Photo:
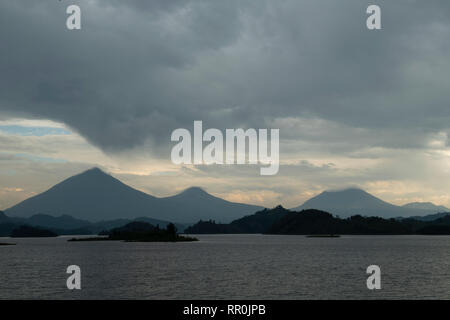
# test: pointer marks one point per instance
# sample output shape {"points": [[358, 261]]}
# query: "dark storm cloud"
{"points": [[139, 69]]}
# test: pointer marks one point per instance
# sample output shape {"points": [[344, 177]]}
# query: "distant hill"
{"points": [[353, 201], [94, 196], [260, 221], [61, 222], [430, 217], [426, 206], [317, 222], [31, 232], [66, 222], [255, 223], [67, 225]]}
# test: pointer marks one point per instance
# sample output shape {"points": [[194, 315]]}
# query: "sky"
{"points": [[355, 107]]}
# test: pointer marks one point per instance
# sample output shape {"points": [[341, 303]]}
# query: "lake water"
{"points": [[229, 267]]}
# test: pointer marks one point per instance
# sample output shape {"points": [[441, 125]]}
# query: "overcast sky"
{"points": [[354, 107]]}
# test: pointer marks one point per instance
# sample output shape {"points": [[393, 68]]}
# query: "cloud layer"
{"points": [[139, 69], [354, 106]]}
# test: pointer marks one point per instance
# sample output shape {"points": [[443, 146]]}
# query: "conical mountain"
{"points": [[355, 201], [426, 206], [197, 202]]}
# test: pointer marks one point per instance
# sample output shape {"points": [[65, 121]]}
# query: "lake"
{"points": [[229, 267]]}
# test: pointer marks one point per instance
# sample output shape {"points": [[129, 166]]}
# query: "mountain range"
{"points": [[95, 195], [66, 225]]}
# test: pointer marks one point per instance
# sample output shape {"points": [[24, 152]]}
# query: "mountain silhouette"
{"points": [[95, 195], [47, 221], [317, 222], [426, 206], [258, 222], [354, 201], [67, 225], [194, 201]]}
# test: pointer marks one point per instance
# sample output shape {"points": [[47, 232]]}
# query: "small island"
{"points": [[138, 231], [7, 244]]}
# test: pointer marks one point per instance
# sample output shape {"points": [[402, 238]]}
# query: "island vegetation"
{"points": [[138, 231]]}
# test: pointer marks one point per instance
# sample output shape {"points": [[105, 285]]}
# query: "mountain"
{"points": [[426, 206], [94, 195], [355, 201], [91, 195], [198, 204]]}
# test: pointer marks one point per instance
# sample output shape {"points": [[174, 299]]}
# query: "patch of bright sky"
{"points": [[38, 128], [40, 159], [33, 131]]}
